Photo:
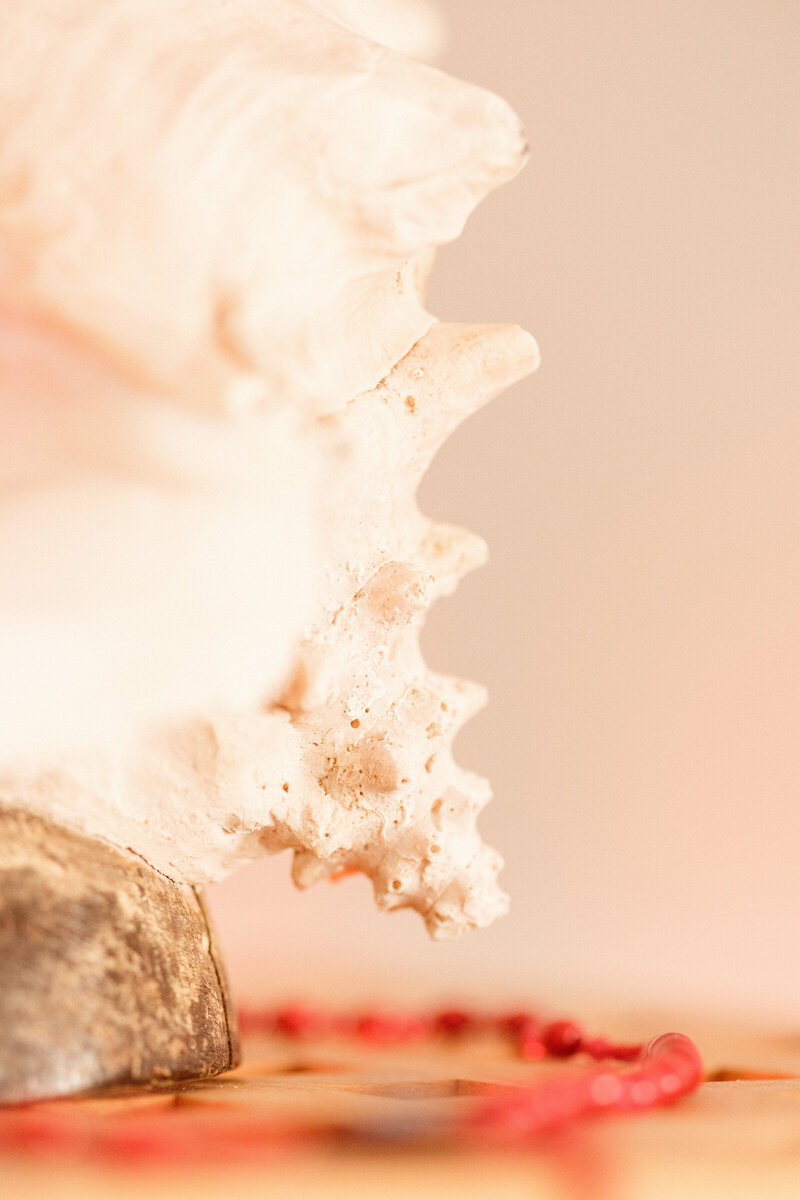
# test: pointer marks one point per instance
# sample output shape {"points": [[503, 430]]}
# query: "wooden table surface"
{"points": [[738, 1138]]}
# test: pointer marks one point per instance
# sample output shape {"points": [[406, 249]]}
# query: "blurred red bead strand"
{"points": [[660, 1073]]}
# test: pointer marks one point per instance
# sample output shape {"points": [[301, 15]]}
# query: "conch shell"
{"points": [[219, 389]]}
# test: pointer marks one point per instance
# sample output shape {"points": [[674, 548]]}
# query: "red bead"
{"points": [[296, 1021], [515, 1024], [626, 1051], [531, 1046], [453, 1021], [375, 1027], [559, 1101], [597, 1048], [605, 1090], [643, 1092], [417, 1027], [562, 1038], [391, 1027]]}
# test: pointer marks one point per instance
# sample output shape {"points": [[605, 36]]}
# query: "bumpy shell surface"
{"points": [[216, 272], [213, 216]]}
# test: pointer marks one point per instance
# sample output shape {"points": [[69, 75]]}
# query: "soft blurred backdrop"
{"points": [[639, 623]]}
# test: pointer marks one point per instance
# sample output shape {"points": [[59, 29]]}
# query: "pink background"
{"points": [[639, 624]]}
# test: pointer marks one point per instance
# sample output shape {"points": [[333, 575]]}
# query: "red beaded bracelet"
{"points": [[660, 1073], [531, 1037]]}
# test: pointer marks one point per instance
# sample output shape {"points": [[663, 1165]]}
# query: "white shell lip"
{"points": [[411, 27], [280, 195]]}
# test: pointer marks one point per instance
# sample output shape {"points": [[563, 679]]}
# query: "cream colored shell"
{"points": [[216, 220]]}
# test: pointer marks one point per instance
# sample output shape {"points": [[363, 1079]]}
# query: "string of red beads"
{"points": [[668, 1068], [529, 1034], [660, 1073]]}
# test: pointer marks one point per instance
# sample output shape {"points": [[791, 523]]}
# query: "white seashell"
{"points": [[219, 390], [207, 187], [411, 27]]}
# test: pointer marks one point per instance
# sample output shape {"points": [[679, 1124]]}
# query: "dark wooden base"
{"points": [[109, 975]]}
